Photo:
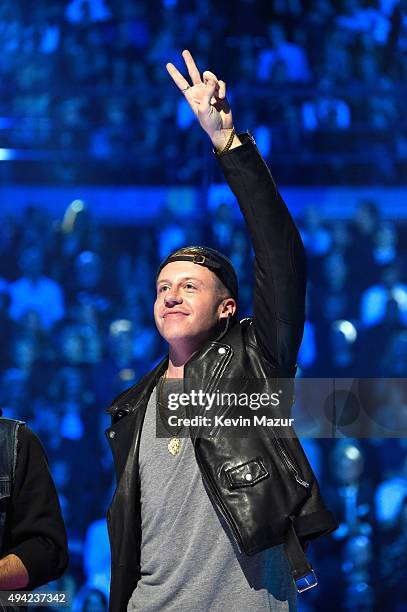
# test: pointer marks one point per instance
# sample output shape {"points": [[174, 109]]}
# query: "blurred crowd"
{"points": [[77, 328], [320, 83]]}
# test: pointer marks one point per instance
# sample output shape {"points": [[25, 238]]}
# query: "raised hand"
{"points": [[207, 99]]}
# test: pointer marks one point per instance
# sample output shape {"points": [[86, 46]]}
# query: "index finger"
{"points": [[177, 77], [192, 69]]}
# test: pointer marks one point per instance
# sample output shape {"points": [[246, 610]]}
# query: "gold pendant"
{"points": [[174, 446]]}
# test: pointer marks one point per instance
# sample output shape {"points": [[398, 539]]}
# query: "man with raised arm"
{"points": [[202, 521]]}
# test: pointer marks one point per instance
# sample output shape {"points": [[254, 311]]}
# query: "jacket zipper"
{"points": [[223, 509], [289, 464], [225, 512]]}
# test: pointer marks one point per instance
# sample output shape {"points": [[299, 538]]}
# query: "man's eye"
{"points": [[190, 286], [162, 288]]}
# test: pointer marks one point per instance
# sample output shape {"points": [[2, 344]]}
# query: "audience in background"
{"points": [[333, 70]]}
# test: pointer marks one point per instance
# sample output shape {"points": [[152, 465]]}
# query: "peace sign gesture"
{"points": [[207, 99]]}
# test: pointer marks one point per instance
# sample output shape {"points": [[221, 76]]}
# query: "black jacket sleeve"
{"points": [[36, 529], [279, 265]]}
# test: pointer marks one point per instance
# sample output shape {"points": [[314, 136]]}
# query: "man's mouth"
{"points": [[174, 314]]}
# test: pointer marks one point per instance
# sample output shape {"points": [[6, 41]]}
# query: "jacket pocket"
{"points": [[290, 463], [247, 474]]}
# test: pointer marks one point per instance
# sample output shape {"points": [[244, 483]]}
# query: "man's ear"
{"points": [[228, 308]]}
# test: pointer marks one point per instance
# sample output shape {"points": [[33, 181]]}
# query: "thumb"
{"points": [[210, 88]]}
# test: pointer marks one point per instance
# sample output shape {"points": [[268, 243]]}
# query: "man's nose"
{"points": [[172, 297]]}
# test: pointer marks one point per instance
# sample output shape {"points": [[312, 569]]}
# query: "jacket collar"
{"points": [[124, 404], [130, 399]]}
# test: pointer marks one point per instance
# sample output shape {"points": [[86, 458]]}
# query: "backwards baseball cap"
{"points": [[212, 259]]}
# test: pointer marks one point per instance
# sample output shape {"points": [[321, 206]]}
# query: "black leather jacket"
{"points": [[282, 493]]}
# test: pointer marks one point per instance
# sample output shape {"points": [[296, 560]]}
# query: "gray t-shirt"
{"points": [[189, 561]]}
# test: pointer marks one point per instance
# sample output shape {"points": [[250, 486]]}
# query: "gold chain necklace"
{"points": [[174, 445]]}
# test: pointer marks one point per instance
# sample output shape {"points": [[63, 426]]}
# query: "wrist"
{"points": [[220, 139]]}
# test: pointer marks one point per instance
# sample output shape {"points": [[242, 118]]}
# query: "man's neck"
{"points": [[175, 371], [33, 278], [181, 352], [178, 356]]}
